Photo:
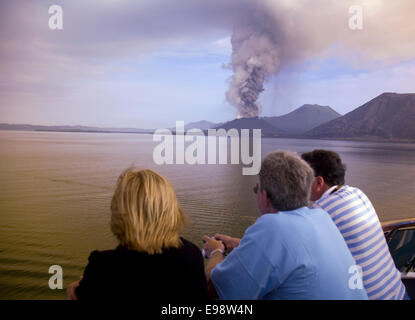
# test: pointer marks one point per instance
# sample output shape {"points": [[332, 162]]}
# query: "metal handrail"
{"points": [[410, 265], [390, 227]]}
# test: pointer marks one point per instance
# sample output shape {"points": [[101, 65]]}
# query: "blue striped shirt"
{"points": [[355, 217]]}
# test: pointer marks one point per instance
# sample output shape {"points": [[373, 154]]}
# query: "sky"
{"points": [[149, 63]]}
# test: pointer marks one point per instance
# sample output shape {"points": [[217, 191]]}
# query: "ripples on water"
{"points": [[56, 189]]}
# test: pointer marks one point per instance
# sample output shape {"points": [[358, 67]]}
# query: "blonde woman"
{"points": [[152, 261]]}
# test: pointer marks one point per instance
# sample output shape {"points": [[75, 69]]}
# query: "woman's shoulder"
{"points": [[188, 245], [188, 249], [98, 256]]}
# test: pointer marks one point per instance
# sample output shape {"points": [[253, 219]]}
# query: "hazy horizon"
{"points": [[170, 126]]}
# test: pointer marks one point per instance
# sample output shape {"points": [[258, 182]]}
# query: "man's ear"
{"points": [[319, 180], [266, 197]]}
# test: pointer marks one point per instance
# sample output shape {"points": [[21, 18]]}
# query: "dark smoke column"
{"points": [[255, 57]]}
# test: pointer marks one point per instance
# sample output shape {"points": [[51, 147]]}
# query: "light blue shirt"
{"points": [[297, 254]]}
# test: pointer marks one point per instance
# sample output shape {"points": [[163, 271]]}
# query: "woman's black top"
{"points": [[175, 274]]}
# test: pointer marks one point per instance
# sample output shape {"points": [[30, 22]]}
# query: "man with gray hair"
{"points": [[291, 251]]}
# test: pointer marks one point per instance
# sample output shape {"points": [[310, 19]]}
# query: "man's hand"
{"points": [[70, 291], [229, 242], [212, 244]]}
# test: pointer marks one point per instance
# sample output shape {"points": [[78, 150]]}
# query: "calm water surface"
{"points": [[56, 188]]}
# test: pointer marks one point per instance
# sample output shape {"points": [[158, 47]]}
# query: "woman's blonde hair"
{"points": [[146, 215]]}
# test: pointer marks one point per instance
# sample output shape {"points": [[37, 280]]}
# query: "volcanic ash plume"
{"points": [[255, 58]]}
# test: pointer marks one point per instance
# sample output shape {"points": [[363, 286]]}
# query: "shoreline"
{"points": [[151, 131]]}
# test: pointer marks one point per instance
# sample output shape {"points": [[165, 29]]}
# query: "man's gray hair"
{"points": [[287, 180]]}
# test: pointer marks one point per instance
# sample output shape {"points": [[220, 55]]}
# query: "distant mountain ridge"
{"points": [[303, 119], [293, 124], [253, 123], [389, 116]]}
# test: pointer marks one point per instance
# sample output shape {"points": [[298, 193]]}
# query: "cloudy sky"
{"points": [[148, 63]]}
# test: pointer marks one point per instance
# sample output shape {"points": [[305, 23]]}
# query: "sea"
{"points": [[56, 189]]}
